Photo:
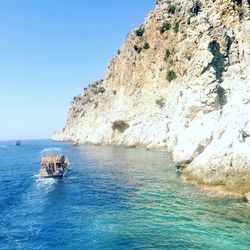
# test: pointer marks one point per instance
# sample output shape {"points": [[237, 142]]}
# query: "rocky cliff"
{"points": [[181, 81]]}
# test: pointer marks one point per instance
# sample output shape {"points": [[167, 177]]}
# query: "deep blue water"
{"points": [[113, 198]]}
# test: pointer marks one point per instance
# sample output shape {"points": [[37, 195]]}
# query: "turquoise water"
{"points": [[113, 198]]}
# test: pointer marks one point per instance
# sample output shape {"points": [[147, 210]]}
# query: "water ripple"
{"points": [[113, 198]]}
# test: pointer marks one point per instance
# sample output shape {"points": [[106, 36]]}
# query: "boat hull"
{"points": [[56, 176]]}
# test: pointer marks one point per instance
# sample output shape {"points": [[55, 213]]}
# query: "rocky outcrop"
{"points": [[181, 82]]}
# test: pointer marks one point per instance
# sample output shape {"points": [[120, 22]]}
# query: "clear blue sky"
{"points": [[50, 50]]}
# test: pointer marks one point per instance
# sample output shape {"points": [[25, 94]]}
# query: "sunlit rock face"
{"points": [[181, 81]]}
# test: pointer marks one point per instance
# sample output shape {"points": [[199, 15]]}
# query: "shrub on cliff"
{"points": [[140, 31], [171, 62], [196, 8], [146, 45], [101, 90], [240, 11], [120, 126], [171, 9], [164, 27], [171, 75], [160, 102], [176, 27], [137, 49], [167, 54], [238, 2], [222, 13], [96, 91]]}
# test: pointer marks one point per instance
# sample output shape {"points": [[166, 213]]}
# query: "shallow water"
{"points": [[112, 198]]}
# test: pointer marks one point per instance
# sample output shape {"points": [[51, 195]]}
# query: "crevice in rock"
{"points": [[221, 96], [218, 61], [229, 45], [243, 135]]}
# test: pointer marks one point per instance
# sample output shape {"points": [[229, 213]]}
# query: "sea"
{"points": [[112, 198]]}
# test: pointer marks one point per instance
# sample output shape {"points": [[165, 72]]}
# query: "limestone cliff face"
{"points": [[181, 81]]}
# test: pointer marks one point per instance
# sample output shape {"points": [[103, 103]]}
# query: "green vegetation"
{"points": [[223, 12], [140, 31], [146, 45], [120, 126], [160, 102], [118, 52], [240, 11], [167, 54], [114, 92], [171, 62], [137, 49], [101, 90], [171, 9], [176, 27], [164, 27], [96, 91], [171, 75]]}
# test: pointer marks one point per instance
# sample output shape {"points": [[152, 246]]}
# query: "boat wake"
{"points": [[46, 184]]}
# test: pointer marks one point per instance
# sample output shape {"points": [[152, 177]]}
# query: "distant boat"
{"points": [[54, 165], [16, 143]]}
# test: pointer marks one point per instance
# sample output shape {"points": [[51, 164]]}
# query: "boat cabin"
{"points": [[53, 165]]}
